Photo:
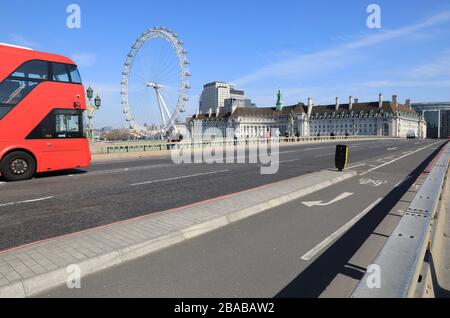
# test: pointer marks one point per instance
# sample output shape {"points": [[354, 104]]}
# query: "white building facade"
{"points": [[381, 118]]}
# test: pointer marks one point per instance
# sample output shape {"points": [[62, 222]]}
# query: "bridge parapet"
{"points": [[145, 146], [404, 261]]}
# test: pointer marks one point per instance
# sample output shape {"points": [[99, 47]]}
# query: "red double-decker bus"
{"points": [[42, 104]]}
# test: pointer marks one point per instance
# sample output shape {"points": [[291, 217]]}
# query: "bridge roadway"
{"points": [[317, 246], [56, 204]]}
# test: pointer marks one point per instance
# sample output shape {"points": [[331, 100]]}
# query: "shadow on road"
{"points": [[317, 276], [59, 173]]}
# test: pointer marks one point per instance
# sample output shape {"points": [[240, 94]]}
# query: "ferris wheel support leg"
{"points": [[165, 108], [160, 104]]}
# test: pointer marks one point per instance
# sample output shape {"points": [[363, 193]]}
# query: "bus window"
{"points": [[60, 123], [4, 110], [37, 70], [74, 74], [12, 91], [68, 125], [60, 73]]}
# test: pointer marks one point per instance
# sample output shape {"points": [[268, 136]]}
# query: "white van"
{"points": [[411, 134]]}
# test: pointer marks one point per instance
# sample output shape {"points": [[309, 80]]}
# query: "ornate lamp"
{"points": [[90, 93], [97, 101]]}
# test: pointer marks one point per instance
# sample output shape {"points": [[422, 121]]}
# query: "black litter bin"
{"points": [[341, 158]]}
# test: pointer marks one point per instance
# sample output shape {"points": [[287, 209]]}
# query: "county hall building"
{"points": [[379, 118]]}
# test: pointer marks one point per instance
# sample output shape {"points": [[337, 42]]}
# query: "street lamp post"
{"points": [[91, 108]]}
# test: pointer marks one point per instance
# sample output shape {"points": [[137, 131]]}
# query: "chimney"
{"points": [[197, 113], [310, 106], [210, 113], [408, 103], [380, 101], [337, 104], [395, 100], [350, 103]]}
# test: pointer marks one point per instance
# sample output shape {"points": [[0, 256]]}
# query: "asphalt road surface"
{"points": [[61, 203], [294, 250]]}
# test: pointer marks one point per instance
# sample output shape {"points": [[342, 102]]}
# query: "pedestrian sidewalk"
{"points": [[31, 269]]}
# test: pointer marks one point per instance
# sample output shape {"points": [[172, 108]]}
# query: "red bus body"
{"points": [[50, 153]]}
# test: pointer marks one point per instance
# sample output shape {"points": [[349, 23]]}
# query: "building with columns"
{"points": [[380, 118]]}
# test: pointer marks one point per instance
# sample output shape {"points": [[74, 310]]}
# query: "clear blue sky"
{"points": [[318, 49]]}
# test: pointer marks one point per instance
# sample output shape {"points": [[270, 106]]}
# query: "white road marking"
{"points": [[26, 201], [292, 160], [106, 162], [284, 161], [386, 158], [390, 149], [402, 182], [360, 165], [308, 256], [344, 195], [120, 170], [375, 183], [317, 148], [181, 177], [397, 159], [300, 150], [325, 155]]}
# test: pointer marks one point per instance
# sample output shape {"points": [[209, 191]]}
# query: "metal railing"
{"points": [[401, 259], [146, 146]]}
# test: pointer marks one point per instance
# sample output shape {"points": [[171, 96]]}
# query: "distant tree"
{"points": [[116, 135]]}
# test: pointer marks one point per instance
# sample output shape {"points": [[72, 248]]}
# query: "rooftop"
{"points": [[387, 106]]}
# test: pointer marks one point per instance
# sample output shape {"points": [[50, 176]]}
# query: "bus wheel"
{"points": [[18, 166]]}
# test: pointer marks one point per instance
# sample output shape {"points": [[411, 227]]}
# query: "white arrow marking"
{"points": [[344, 195]]}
